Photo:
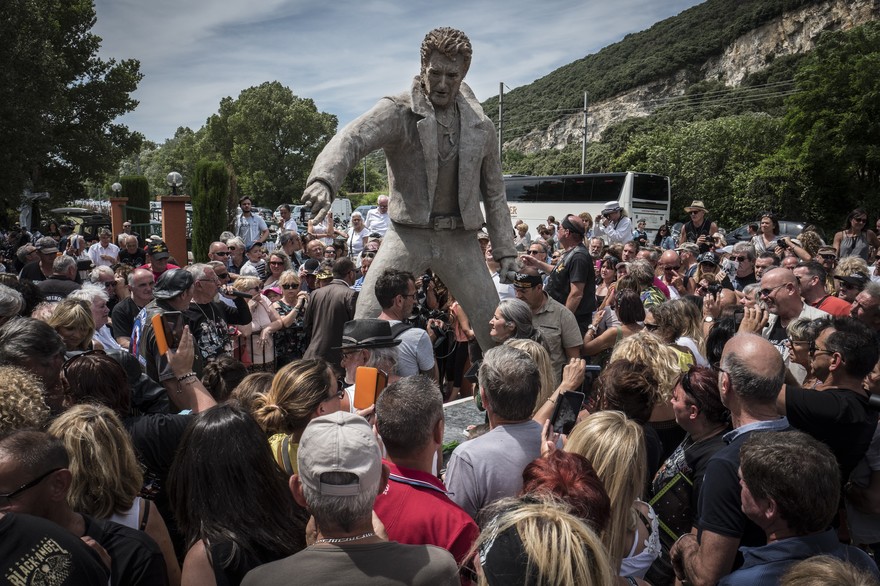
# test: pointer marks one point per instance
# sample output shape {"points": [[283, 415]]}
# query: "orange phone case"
{"points": [[368, 383], [159, 332]]}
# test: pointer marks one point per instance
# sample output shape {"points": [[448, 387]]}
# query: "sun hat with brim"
{"points": [[696, 206], [611, 206], [362, 334], [827, 250], [172, 283], [339, 442], [276, 289]]}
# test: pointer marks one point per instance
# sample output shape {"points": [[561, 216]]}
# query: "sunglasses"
{"points": [[223, 276], [290, 286], [276, 263], [535, 252], [695, 212], [828, 257], [739, 258], [224, 253], [845, 285], [369, 254], [766, 292], [6, 499]]}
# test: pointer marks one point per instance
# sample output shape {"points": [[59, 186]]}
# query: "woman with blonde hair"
{"points": [[300, 391], [265, 321], [73, 321], [539, 541], [826, 570], [106, 477], [645, 348], [545, 368], [615, 445]]}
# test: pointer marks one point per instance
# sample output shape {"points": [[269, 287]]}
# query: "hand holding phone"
{"points": [[568, 405], [168, 329]]}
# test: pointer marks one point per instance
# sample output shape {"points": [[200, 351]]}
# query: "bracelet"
{"points": [[551, 400], [190, 374]]}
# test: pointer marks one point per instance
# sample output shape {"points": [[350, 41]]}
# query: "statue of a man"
{"points": [[442, 157]]}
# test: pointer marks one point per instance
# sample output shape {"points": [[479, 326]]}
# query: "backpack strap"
{"points": [[398, 329]]}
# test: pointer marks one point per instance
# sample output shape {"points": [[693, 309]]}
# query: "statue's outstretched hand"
{"points": [[318, 197], [509, 266]]}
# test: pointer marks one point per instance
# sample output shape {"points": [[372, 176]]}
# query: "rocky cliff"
{"points": [[794, 32]]}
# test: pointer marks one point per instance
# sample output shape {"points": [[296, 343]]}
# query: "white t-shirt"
{"points": [[415, 353]]}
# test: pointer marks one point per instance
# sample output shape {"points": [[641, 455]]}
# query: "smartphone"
{"points": [[738, 315], [568, 405], [168, 329], [369, 383], [591, 373]]}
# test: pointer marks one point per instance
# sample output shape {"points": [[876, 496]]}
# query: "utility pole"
{"points": [[500, 117], [584, 145], [365, 174]]}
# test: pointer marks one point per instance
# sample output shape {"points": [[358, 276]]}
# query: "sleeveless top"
{"points": [[693, 233], [637, 564], [854, 246]]}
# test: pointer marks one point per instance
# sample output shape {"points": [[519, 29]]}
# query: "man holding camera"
{"points": [[396, 293]]}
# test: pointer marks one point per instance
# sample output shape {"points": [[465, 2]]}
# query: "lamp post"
{"points": [[117, 188], [174, 180]]}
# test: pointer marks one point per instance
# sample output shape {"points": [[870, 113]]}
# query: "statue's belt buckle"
{"points": [[447, 222]]}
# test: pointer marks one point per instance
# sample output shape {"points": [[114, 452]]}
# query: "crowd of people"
{"points": [[726, 432]]}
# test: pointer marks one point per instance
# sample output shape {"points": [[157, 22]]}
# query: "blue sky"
{"points": [[343, 54]]}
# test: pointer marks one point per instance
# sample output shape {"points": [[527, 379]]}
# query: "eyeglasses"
{"points": [[668, 268], [290, 286], [223, 276], [766, 292], [369, 254], [6, 499], [695, 212], [816, 350], [339, 394], [276, 263], [222, 253], [535, 252], [739, 258]]}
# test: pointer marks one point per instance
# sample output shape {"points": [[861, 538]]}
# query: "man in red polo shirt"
{"points": [[811, 276], [414, 507]]}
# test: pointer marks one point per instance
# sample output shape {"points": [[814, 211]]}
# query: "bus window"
{"points": [[651, 187], [578, 188], [550, 190], [607, 187], [520, 190]]}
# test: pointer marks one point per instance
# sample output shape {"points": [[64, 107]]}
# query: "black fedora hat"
{"points": [[362, 334]]}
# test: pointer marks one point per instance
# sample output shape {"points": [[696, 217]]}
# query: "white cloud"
{"points": [[343, 54]]}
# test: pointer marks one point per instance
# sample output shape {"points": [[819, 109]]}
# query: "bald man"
{"points": [[751, 375]]}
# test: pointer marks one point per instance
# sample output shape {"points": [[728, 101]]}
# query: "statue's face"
{"points": [[442, 77]]}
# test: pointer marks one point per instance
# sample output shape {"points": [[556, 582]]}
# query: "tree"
{"points": [[833, 121], [58, 100], [269, 138], [210, 184]]}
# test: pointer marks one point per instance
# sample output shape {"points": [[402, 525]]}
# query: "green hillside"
{"points": [[684, 42]]}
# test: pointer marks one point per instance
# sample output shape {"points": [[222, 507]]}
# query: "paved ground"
{"points": [[460, 414]]}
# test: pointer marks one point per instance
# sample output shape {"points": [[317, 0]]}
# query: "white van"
{"points": [[341, 209]]}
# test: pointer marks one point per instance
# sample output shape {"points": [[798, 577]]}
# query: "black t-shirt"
{"points": [[56, 288], [135, 259], [123, 317], [37, 551], [839, 418], [137, 560], [719, 504], [692, 233], [33, 272], [209, 323], [575, 266], [740, 283]]}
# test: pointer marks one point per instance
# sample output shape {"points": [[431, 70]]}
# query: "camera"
{"points": [[782, 243], [715, 288]]}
